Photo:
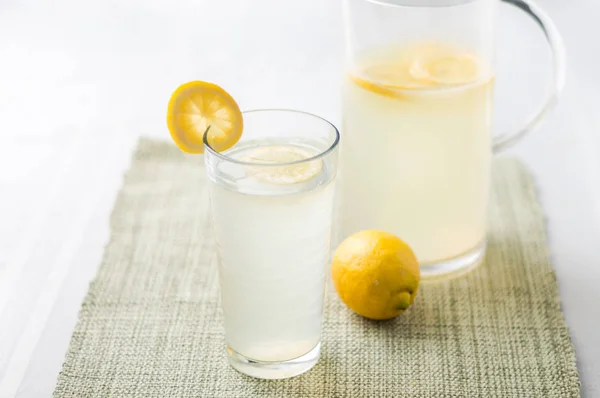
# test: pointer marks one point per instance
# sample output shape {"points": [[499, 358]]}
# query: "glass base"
{"points": [[455, 266], [274, 370]]}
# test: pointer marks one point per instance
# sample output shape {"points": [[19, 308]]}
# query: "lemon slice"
{"points": [[447, 69], [398, 76], [285, 174], [387, 79], [197, 106], [419, 67], [374, 87]]}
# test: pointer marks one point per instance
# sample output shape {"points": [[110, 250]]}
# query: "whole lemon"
{"points": [[376, 274]]}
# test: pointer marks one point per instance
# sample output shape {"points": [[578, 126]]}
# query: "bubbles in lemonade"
{"points": [[416, 148], [273, 229]]}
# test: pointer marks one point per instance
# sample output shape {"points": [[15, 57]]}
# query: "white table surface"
{"points": [[81, 80]]}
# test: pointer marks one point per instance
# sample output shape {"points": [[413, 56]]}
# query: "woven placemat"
{"points": [[150, 325]]}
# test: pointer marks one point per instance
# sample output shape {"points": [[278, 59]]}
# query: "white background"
{"points": [[81, 80]]}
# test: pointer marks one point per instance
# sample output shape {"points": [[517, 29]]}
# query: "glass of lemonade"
{"points": [[417, 117], [272, 200]]}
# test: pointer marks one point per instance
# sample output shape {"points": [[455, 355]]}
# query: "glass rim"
{"points": [[320, 155], [419, 3]]}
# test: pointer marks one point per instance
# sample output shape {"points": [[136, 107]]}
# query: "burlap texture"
{"points": [[150, 326]]}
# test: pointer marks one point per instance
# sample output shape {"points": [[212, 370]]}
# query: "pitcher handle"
{"points": [[555, 41]]}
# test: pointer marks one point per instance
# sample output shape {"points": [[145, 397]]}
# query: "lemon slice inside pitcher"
{"points": [[418, 67], [447, 69], [282, 164]]}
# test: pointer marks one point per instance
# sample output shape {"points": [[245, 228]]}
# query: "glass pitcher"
{"points": [[417, 103]]}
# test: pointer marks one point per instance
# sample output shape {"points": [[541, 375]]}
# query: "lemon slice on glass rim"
{"points": [[198, 107]]}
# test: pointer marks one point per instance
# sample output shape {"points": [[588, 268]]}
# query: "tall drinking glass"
{"points": [[417, 115], [272, 200]]}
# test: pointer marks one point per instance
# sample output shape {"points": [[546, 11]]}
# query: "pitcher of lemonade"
{"points": [[417, 103]]}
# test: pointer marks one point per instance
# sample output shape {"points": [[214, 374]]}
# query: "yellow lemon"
{"points": [[375, 274], [198, 106]]}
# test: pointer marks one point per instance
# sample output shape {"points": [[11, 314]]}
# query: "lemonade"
{"points": [[416, 148], [271, 179], [273, 249]]}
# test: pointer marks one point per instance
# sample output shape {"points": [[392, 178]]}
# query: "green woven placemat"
{"points": [[150, 325]]}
